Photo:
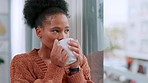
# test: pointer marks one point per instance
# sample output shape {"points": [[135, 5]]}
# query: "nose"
{"points": [[62, 36]]}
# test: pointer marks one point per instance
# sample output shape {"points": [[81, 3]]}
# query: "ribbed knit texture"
{"points": [[54, 73], [28, 67], [78, 77]]}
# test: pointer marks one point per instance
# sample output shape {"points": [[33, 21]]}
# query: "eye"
{"points": [[55, 31], [67, 30]]}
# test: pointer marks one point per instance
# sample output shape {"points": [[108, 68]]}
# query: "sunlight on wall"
{"points": [[17, 27]]}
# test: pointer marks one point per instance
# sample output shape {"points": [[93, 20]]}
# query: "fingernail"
{"points": [[56, 40], [71, 39], [74, 53], [68, 42], [69, 46]]}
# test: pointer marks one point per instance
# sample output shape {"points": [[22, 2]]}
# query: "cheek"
{"points": [[67, 35], [50, 39], [50, 36]]}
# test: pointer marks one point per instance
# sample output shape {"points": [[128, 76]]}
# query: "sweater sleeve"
{"points": [[83, 76], [19, 72], [54, 73]]}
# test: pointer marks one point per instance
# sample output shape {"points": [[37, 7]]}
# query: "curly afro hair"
{"points": [[35, 11]]}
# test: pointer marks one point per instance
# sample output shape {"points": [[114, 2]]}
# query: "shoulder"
{"points": [[29, 56], [19, 58], [25, 57], [21, 61]]}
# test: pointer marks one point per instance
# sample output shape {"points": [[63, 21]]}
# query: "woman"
{"points": [[48, 63]]}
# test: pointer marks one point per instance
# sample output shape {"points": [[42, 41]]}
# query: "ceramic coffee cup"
{"points": [[64, 44]]}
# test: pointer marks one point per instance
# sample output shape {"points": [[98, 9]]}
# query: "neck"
{"points": [[44, 53]]}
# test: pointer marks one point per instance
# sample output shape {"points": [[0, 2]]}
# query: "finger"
{"points": [[65, 56], [55, 42], [56, 52], [74, 43], [76, 54], [60, 55], [74, 49], [55, 45], [79, 56], [64, 52], [59, 49]]}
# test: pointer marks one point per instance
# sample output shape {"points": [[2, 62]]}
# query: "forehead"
{"points": [[56, 18]]}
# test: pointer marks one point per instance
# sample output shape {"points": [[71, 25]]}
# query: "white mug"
{"points": [[64, 44]]}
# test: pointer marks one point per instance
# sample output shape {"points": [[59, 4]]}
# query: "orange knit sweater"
{"points": [[27, 67]]}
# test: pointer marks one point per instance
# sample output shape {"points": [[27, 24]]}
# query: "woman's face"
{"points": [[55, 27]]}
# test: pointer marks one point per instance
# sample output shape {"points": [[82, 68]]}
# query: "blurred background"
{"points": [[86, 21], [126, 39], [114, 29]]}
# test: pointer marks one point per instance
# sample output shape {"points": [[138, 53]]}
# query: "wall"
{"points": [[4, 40]]}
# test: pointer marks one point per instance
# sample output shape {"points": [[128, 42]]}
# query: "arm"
{"points": [[86, 71], [41, 81], [19, 71], [83, 76], [58, 58], [54, 73]]}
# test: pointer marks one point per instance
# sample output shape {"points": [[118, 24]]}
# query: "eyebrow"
{"points": [[55, 28], [59, 27], [67, 27]]}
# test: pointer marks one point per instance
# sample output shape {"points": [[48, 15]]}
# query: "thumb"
{"points": [[55, 42]]}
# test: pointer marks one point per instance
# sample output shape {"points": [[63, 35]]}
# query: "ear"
{"points": [[39, 32]]}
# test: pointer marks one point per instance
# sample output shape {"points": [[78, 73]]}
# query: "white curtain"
{"points": [[93, 32], [17, 27]]}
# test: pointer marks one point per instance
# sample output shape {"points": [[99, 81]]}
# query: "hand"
{"points": [[58, 55], [77, 51], [38, 81], [41, 81]]}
